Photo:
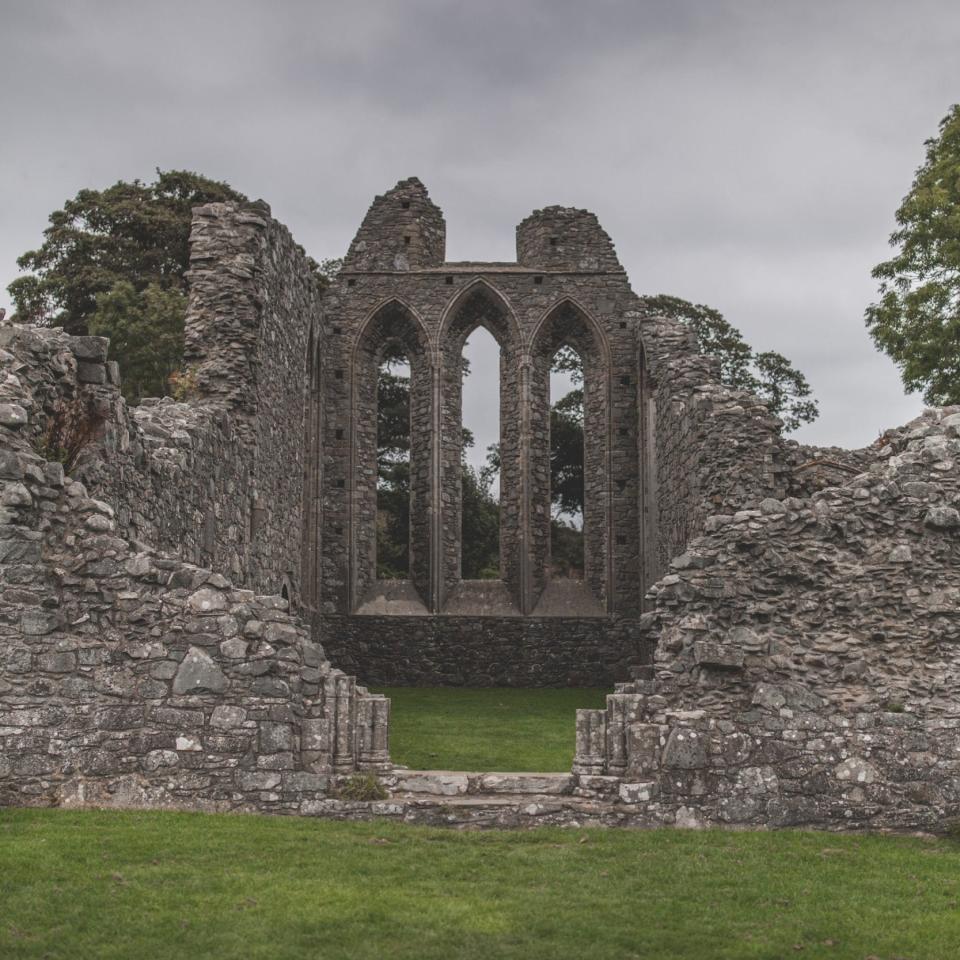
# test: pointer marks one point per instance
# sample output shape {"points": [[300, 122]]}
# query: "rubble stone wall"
{"points": [[489, 651], [666, 446], [806, 661], [132, 676]]}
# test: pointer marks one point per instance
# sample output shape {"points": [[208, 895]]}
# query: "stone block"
{"points": [[942, 518], [303, 782], [258, 779], [435, 782], [315, 735], [197, 673], [12, 415], [91, 372], [226, 718], [57, 662], [637, 792], [643, 748], [856, 770], [275, 737], [206, 600], [718, 655], [10, 466], [686, 749], [90, 348]]}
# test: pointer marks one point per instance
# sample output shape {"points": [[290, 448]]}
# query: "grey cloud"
{"points": [[742, 153]]}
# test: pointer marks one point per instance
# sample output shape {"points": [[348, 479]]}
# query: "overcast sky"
{"points": [[748, 155]]}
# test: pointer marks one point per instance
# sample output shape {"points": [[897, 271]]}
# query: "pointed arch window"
{"points": [[480, 317], [391, 470]]}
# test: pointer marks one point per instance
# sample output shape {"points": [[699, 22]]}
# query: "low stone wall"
{"points": [[174, 473], [129, 674], [484, 651], [806, 669]]}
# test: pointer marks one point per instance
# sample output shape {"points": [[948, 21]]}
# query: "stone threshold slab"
{"points": [[452, 783]]}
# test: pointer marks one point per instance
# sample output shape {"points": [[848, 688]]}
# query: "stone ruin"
{"points": [[184, 611]]}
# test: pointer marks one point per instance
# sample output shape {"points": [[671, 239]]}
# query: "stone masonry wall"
{"points": [[806, 664], [487, 651], [254, 301], [666, 444], [128, 676], [172, 472], [217, 479]]}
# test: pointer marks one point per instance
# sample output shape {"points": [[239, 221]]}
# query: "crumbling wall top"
{"points": [[403, 230], [565, 238]]}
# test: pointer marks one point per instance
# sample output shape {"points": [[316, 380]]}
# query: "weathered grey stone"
{"points": [[91, 372], [207, 600], [198, 673], [226, 717], [942, 518], [686, 749], [275, 737], [12, 415], [856, 770], [156, 759], [90, 348], [234, 648], [37, 622], [16, 495], [720, 655], [435, 782]]}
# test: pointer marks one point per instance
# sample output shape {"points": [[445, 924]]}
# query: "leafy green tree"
{"points": [[393, 466], [135, 232], [480, 532], [146, 330], [916, 320], [769, 375], [102, 245]]}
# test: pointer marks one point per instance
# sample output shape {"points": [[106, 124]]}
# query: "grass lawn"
{"points": [[445, 728], [171, 886]]}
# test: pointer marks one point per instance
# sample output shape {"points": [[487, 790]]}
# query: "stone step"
{"points": [[451, 783]]}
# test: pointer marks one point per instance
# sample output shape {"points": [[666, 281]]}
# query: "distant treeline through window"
{"points": [[566, 465], [480, 487], [393, 465]]}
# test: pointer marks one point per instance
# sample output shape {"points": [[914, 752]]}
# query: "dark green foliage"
{"points": [[113, 263], [566, 456], [393, 467], [916, 321], [135, 232], [566, 470], [566, 548], [769, 375], [480, 557], [145, 330]]}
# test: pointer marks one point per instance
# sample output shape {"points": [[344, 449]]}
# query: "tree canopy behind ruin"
{"points": [[916, 320], [768, 374], [113, 263]]}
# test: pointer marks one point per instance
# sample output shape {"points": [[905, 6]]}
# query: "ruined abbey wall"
{"points": [[806, 664], [665, 446], [134, 676], [780, 620]]}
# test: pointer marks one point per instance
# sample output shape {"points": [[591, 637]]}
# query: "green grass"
{"points": [[486, 729], [169, 886]]}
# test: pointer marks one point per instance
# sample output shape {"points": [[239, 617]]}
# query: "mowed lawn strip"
{"points": [[167, 886], [501, 728]]}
